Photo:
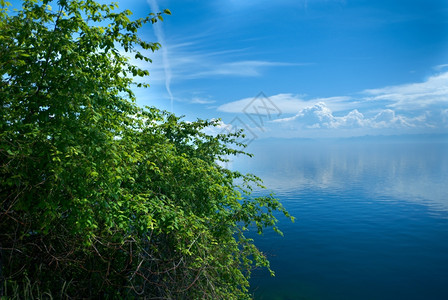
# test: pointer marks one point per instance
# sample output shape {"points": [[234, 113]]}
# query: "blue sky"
{"points": [[324, 67]]}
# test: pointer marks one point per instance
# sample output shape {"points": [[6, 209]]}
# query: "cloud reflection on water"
{"points": [[395, 169]]}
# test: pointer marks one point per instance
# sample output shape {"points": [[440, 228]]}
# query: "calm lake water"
{"points": [[372, 219]]}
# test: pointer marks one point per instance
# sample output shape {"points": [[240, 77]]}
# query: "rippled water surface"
{"points": [[372, 219]]}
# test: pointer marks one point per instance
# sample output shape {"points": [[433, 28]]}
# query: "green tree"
{"points": [[102, 198]]}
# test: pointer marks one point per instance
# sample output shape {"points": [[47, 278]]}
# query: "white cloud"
{"points": [[197, 100], [414, 96], [387, 118], [165, 60], [246, 68], [417, 106], [435, 119], [440, 67], [287, 103], [188, 60], [354, 119], [444, 114], [320, 116], [316, 116]]}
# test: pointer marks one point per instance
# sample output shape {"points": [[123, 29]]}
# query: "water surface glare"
{"points": [[372, 219]]}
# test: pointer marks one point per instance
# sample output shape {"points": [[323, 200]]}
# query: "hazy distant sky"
{"points": [[327, 67]]}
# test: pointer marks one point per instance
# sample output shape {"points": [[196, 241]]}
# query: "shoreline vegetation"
{"points": [[100, 198]]}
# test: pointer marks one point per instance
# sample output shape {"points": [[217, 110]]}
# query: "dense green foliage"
{"points": [[100, 198]]}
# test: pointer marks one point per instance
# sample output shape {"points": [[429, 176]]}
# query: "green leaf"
{"points": [[102, 197]]}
